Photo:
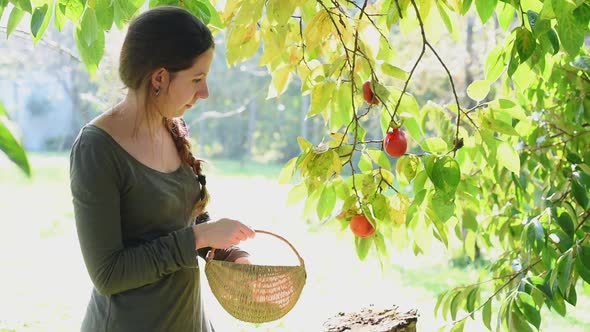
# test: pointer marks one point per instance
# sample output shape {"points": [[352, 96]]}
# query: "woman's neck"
{"points": [[136, 113]]}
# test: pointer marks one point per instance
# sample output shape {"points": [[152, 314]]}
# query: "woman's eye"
{"points": [[197, 80]]}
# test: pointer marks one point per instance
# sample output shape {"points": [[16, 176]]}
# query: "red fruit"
{"points": [[395, 143], [370, 97], [361, 227]]}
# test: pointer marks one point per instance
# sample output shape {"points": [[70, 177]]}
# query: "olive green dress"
{"points": [[133, 225]]}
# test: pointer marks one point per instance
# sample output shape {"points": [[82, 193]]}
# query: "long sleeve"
{"points": [[96, 183], [230, 254]]}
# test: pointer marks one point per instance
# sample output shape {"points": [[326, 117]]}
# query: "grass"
{"points": [[45, 286]]}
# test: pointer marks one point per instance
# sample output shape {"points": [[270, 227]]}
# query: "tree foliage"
{"points": [[511, 173]]}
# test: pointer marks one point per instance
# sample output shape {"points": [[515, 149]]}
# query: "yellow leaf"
{"points": [[279, 11], [398, 208], [249, 12], [230, 10], [280, 81], [317, 29], [336, 164], [242, 42]]}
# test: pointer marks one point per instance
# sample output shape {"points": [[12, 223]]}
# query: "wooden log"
{"points": [[373, 320]]}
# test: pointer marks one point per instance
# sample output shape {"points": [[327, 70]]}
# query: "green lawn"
{"points": [[45, 287]]}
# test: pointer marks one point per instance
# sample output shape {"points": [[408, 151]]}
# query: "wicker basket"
{"points": [[256, 293]]}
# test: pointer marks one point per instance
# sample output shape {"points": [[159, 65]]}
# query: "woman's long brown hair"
{"points": [[179, 131]]}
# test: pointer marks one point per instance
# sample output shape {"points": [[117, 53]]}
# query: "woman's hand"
{"points": [[221, 234]]}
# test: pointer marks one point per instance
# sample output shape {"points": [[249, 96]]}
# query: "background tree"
{"points": [[510, 174]]}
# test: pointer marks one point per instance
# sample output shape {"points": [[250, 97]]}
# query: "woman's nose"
{"points": [[202, 92]]}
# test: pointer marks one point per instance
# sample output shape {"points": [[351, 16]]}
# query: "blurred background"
{"points": [[246, 138]]}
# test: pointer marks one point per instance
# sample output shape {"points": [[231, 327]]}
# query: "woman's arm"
{"points": [[95, 186]]}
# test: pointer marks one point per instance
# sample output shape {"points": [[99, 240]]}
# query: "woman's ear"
{"points": [[160, 79]]}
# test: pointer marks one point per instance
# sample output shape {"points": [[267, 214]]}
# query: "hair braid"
{"points": [[179, 131]]}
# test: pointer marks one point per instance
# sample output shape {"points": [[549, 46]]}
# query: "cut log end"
{"points": [[373, 320]]}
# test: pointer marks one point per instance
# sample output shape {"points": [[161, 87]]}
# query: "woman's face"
{"points": [[186, 87]]}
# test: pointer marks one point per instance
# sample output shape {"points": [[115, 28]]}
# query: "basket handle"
{"points": [[211, 252]]}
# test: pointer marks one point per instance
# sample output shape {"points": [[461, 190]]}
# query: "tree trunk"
{"points": [[373, 320]]}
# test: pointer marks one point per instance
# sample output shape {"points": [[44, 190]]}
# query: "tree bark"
{"points": [[373, 320]]}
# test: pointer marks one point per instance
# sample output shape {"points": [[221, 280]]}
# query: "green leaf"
{"points": [[365, 163], [584, 255], [506, 16], [527, 305], [525, 44], [24, 5], [407, 166], [440, 299], [457, 302], [394, 71], [13, 20], [564, 271], [199, 9], [570, 34], [123, 12], [485, 9], [552, 35], [469, 243], [445, 17], [39, 21], [495, 64], [458, 327], [90, 54], [517, 322], [12, 149], [72, 9], [446, 174], [3, 4], [104, 14], [558, 304], [88, 27], [297, 193], [362, 246], [566, 223], [3, 111], [508, 158], [304, 144], [563, 8], [478, 90], [572, 296], [580, 193], [488, 121], [380, 205], [379, 157], [327, 201], [434, 145], [583, 270], [287, 171], [214, 19], [487, 314], [466, 6], [563, 241]]}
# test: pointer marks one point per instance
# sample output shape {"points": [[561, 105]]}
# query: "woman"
{"points": [[138, 193]]}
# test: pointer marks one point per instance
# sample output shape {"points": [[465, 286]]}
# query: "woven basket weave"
{"points": [[256, 293]]}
